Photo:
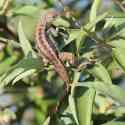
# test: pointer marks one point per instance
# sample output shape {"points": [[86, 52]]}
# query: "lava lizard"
{"points": [[48, 49]]}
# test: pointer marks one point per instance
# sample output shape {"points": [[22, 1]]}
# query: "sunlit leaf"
{"points": [[89, 26], [114, 123], [1, 3], [118, 43], [24, 65], [25, 44], [25, 10], [84, 104], [73, 34], [61, 22], [73, 108], [47, 121], [100, 72], [119, 56], [78, 35], [93, 12], [115, 92], [23, 75]]}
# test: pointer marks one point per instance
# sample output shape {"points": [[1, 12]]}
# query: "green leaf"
{"points": [[61, 22], [114, 123], [73, 34], [29, 25], [117, 24], [119, 54], [7, 63], [75, 80], [113, 91], [10, 76], [119, 111], [114, 21], [73, 108], [2, 55], [118, 43], [23, 75], [100, 72], [25, 10], [80, 39], [1, 3], [78, 35], [89, 26], [116, 14], [115, 69], [25, 65], [25, 44], [84, 103], [47, 121], [94, 9]]}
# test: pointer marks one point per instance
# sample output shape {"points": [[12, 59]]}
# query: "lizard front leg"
{"points": [[67, 56], [80, 64]]}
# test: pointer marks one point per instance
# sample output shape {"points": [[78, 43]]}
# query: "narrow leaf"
{"points": [[92, 24], [73, 108], [47, 121], [84, 103], [24, 65], [11, 76], [23, 75], [94, 9], [25, 44]]}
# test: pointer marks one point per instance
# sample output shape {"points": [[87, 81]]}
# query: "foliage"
{"points": [[34, 90]]}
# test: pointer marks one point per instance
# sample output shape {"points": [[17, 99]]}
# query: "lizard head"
{"points": [[51, 15]]}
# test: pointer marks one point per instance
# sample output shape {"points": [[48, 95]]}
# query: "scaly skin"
{"points": [[47, 47]]}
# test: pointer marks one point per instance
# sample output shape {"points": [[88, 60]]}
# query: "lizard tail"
{"points": [[62, 72]]}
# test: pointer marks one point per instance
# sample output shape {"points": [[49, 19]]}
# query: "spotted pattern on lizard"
{"points": [[47, 47]]}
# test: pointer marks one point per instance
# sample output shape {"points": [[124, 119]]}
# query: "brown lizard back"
{"points": [[47, 47]]}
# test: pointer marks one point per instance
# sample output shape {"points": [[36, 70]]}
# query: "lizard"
{"points": [[49, 50]]}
